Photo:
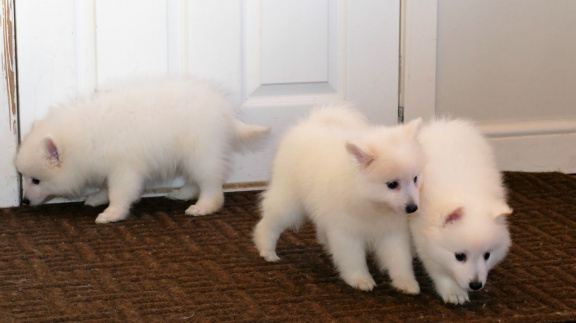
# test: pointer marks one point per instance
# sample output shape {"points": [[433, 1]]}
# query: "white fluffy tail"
{"points": [[249, 137]]}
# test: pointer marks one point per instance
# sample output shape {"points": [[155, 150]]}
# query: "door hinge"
{"points": [[400, 114]]}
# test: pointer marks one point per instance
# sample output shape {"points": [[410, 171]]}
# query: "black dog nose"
{"points": [[25, 201], [411, 208], [475, 285]]}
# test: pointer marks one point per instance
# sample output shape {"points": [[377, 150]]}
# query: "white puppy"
{"points": [[356, 183], [143, 132], [460, 230]]}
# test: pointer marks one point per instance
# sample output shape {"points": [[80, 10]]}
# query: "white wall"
{"points": [[506, 60], [508, 65]]}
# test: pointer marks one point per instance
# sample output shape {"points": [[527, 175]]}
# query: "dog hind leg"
{"points": [[280, 211]]}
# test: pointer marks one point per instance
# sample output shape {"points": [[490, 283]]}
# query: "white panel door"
{"points": [[508, 65], [277, 58]]}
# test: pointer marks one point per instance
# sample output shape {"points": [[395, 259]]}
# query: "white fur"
{"points": [[138, 133], [334, 168], [462, 180]]}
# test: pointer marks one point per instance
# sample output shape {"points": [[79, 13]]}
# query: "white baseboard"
{"points": [[534, 146]]}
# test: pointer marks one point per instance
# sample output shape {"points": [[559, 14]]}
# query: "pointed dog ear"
{"points": [[500, 211], [359, 155], [413, 128], [51, 150]]}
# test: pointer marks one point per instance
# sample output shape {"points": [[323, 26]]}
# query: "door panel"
{"points": [[130, 42], [294, 35]]}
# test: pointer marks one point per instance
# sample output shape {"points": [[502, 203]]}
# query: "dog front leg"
{"points": [[210, 200], [124, 188], [349, 255], [394, 254], [98, 198], [449, 290]]}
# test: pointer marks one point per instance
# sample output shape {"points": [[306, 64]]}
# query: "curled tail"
{"points": [[249, 137]]}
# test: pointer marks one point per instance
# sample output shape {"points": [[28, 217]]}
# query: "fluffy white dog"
{"points": [[142, 132], [460, 229], [356, 183]]}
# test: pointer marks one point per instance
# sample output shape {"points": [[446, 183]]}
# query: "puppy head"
{"points": [[389, 161], [39, 160], [469, 242]]}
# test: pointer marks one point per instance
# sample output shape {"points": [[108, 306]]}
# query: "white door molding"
{"points": [[419, 30], [9, 179]]}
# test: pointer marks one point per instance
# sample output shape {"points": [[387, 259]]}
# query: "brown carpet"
{"points": [[56, 264]]}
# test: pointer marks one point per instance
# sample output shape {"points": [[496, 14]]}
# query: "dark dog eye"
{"points": [[486, 256], [392, 185], [460, 257], [35, 181]]}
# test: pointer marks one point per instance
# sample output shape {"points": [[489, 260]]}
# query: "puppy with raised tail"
{"points": [[136, 134], [356, 183], [460, 230]]}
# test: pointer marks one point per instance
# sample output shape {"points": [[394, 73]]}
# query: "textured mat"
{"points": [[56, 264]]}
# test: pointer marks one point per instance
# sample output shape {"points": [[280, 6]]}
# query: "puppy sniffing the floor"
{"points": [[139, 133], [357, 183], [460, 230]]}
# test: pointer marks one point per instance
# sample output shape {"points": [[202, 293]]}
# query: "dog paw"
{"points": [[269, 256], [201, 209], [109, 216], [175, 195], [456, 298], [97, 199], [183, 194], [362, 283], [408, 285], [454, 295]]}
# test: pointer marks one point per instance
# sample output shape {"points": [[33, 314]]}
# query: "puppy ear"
{"points": [[500, 211], [454, 216], [359, 155], [413, 128], [51, 149]]}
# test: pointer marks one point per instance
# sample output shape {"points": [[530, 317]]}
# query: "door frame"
{"points": [[419, 31], [9, 129], [540, 145]]}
